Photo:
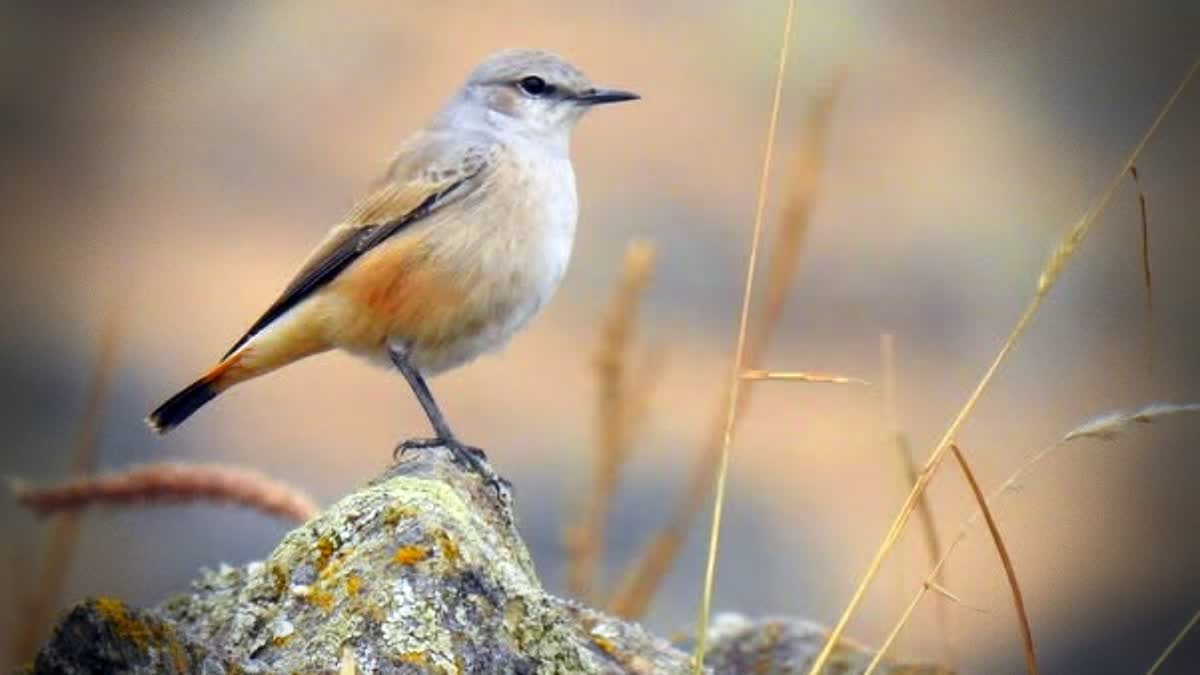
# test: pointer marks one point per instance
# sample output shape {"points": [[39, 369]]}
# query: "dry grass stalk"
{"points": [[1147, 281], [952, 597], [620, 408], [643, 578], [1005, 559], [170, 483], [1187, 628], [739, 356], [1059, 259], [799, 376], [908, 463], [64, 531], [1105, 427]]}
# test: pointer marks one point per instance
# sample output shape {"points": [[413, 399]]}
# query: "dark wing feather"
{"points": [[346, 246]]}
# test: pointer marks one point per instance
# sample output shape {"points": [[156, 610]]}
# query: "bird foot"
{"points": [[468, 457]]}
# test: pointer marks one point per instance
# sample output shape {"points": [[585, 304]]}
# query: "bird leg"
{"points": [[468, 456]]}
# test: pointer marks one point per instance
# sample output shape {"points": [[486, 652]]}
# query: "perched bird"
{"points": [[459, 245]]}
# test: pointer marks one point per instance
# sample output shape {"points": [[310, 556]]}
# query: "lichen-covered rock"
{"points": [[422, 571], [783, 646]]}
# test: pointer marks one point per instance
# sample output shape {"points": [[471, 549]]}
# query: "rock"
{"points": [[422, 571], [784, 646]]}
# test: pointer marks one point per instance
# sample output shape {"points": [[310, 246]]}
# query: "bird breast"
{"points": [[476, 271]]}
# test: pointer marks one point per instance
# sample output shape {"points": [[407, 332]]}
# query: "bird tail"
{"points": [[183, 405]]}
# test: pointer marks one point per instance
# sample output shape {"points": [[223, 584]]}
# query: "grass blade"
{"points": [[1002, 550], [1187, 628]]}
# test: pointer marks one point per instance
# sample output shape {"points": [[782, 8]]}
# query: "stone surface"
{"points": [[785, 646], [422, 571]]}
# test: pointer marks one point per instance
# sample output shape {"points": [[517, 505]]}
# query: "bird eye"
{"points": [[535, 86]]}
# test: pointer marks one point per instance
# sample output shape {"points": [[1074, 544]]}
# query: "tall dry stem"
{"points": [[908, 464], [1059, 259], [621, 402], [644, 576], [739, 356]]}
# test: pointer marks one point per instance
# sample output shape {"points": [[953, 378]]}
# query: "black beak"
{"points": [[602, 96]]}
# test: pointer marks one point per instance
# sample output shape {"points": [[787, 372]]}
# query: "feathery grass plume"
{"points": [[620, 407], [1106, 426], [1110, 424], [1002, 550], [1147, 282], [908, 463], [1062, 255], [643, 577], [64, 530], [1187, 628], [170, 483]]}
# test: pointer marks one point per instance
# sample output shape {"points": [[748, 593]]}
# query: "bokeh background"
{"points": [[185, 156]]}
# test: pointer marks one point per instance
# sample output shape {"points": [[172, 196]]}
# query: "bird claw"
{"points": [[468, 457]]}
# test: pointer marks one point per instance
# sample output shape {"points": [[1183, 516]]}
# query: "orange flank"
{"points": [[397, 292]]}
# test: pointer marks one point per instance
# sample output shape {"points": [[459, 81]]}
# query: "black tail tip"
{"points": [[181, 406]]}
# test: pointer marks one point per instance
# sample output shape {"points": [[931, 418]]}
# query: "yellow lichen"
{"points": [[604, 644], [331, 567], [396, 513], [280, 640], [414, 658], [354, 584], [449, 548], [279, 579], [325, 549], [410, 555], [130, 628], [322, 599]]}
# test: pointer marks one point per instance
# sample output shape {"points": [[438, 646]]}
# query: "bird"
{"points": [[458, 245]]}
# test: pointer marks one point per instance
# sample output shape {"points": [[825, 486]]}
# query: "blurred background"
{"points": [[184, 157]]}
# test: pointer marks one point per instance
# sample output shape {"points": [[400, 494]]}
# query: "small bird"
{"points": [[457, 247]]}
